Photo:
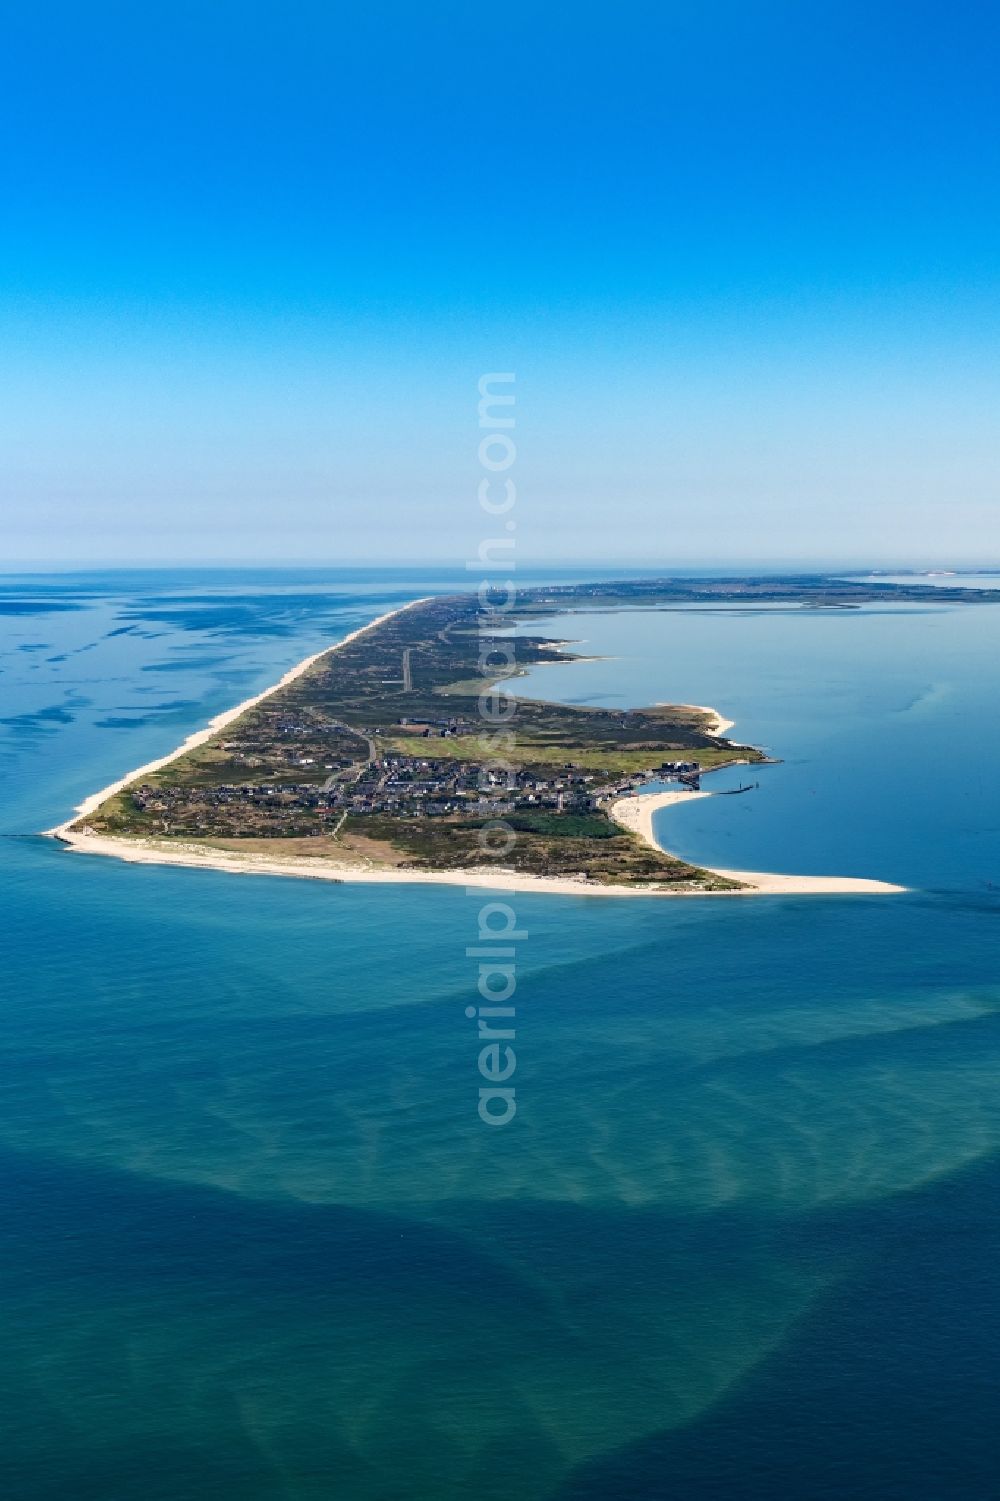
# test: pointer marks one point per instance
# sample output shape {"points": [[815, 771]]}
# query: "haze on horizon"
{"points": [[742, 261]]}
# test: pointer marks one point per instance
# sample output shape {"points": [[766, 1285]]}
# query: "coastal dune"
{"points": [[634, 813], [718, 725], [320, 868]]}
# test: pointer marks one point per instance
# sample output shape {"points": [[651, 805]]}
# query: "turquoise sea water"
{"points": [[741, 1239]]}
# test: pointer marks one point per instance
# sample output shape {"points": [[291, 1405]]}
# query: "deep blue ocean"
{"points": [[741, 1241]]}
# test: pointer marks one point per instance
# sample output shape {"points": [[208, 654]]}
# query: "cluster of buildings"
{"points": [[443, 729], [393, 785], [413, 787]]}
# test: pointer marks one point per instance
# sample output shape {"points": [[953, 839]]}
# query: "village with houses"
{"points": [[389, 783]]}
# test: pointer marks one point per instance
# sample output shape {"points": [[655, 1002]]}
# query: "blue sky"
{"points": [[742, 258]]}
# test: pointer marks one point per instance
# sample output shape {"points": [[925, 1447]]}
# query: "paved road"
{"points": [[372, 756]]}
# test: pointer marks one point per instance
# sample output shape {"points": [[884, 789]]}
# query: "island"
{"points": [[401, 753]]}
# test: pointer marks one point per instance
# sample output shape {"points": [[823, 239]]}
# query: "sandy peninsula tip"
{"points": [[636, 813]]}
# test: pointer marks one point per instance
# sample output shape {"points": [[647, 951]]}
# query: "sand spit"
{"points": [[636, 813], [719, 725]]}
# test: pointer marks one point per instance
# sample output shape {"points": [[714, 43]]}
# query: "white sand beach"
{"points": [[719, 725], [636, 813], [628, 811], [320, 868]]}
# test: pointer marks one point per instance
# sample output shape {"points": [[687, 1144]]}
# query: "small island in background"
{"points": [[373, 760]]}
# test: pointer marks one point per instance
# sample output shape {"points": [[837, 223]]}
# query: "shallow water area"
{"points": [[740, 1239]]}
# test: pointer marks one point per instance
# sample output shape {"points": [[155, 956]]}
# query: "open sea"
{"points": [[742, 1240]]}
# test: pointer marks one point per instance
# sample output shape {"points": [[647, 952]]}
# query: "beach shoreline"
{"points": [[636, 814], [720, 724], [321, 868]]}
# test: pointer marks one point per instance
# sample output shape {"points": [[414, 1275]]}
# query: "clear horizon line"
{"points": [[770, 565]]}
